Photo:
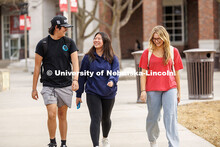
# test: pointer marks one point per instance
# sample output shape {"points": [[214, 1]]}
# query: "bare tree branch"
{"points": [[91, 19], [106, 24], [78, 14], [129, 12], [84, 4], [107, 4], [137, 6], [97, 27], [93, 12], [124, 6], [115, 1], [113, 7], [95, 7]]}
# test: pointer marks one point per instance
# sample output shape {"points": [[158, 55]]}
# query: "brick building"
{"points": [[12, 38], [190, 23], [41, 12]]}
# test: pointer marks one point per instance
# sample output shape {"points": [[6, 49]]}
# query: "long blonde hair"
{"points": [[163, 34]]}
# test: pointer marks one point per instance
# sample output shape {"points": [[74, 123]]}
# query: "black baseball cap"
{"points": [[60, 21]]}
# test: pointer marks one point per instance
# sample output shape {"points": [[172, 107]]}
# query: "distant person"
{"points": [[100, 88], [162, 89], [56, 52], [137, 46]]}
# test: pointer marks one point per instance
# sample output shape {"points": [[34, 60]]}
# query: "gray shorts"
{"points": [[59, 96]]}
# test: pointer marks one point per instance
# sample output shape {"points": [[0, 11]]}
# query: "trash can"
{"points": [[217, 62], [200, 71], [137, 57]]}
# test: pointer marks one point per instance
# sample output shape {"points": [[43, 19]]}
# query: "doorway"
{"points": [[15, 46]]}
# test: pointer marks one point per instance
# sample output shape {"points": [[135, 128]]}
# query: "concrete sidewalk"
{"points": [[23, 120]]}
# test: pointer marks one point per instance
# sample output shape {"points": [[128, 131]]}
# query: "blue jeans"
{"points": [[155, 101]]}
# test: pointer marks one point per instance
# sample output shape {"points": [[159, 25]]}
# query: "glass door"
{"points": [[15, 45]]}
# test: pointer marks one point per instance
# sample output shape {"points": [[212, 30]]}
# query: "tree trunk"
{"points": [[116, 44], [80, 36], [80, 44]]}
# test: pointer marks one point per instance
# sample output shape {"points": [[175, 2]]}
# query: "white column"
{"points": [[36, 32]]}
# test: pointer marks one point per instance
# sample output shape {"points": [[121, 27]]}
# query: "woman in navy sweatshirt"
{"points": [[99, 73]]}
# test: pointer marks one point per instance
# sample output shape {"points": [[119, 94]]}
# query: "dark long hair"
{"points": [[108, 52], [52, 28]]}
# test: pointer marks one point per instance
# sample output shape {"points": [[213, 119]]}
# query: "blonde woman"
{"points": [[162, 88]]}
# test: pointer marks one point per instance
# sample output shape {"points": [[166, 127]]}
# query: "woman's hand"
{"points": [[143, 96], [178, 97], [78, 100], [110, 84]]}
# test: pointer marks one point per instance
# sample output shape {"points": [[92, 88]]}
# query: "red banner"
{"points": [[73, 5], [28, 22], [64, 5]]}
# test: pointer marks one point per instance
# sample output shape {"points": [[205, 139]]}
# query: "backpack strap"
{"points": [[148, 58], [172, 58], [44, 45]]}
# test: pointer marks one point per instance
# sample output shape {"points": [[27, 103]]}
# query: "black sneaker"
{"points": [[52, 145], [63, 146]]}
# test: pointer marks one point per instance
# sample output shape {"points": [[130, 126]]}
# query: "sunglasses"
{"points": [[157, 39]]}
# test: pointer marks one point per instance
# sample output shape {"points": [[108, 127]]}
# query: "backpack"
{"points": [[67, 42], [172, 57]]}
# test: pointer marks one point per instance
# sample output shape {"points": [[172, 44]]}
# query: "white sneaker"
{"points": [[153, 144], [105, 142]]}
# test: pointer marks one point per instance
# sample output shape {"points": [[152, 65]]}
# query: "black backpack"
{"points": [[67, 42]]}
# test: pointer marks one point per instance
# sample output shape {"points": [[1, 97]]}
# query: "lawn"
{"points": [[203, 119]]}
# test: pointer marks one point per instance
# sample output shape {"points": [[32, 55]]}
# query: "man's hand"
{"points": [[143, 96], [35, 95], [75, 85]]}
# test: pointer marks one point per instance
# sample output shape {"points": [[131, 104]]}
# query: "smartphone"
{"points": [[78, 105]]}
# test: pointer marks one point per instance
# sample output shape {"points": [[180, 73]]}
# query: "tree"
{"points": [[83, 21], [117, 7]]}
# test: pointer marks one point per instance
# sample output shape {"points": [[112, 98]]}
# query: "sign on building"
{"points": [[28, 22], [14, 25], [64, 5]]}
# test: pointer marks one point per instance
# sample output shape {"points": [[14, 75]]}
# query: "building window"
{"points": [[173, 20]]}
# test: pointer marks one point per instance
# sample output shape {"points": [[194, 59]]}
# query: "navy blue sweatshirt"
{"points": [[96, 74]]}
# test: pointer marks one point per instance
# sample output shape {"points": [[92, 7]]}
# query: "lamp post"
{"points": [[25, 41], [24, 11], [69, 17]]}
